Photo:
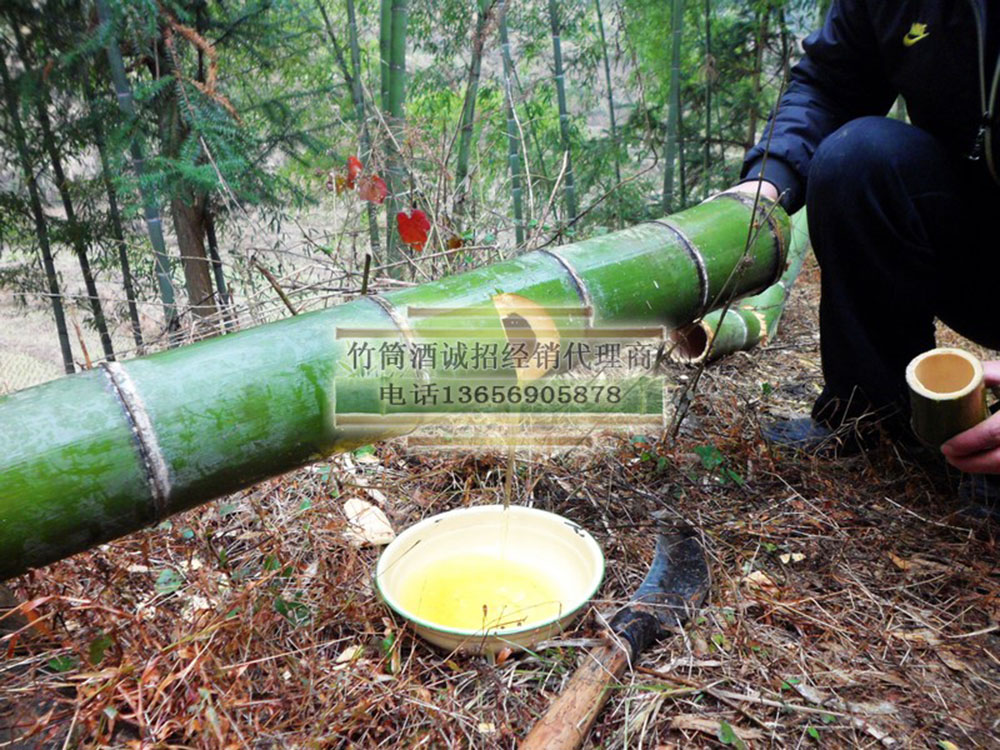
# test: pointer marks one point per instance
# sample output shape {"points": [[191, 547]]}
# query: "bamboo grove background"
{"points": [[177, 170]]}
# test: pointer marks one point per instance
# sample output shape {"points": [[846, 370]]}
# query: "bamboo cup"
{"points": [[947, 394]]}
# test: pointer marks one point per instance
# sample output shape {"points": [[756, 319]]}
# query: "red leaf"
{"points": [[353, 170], [413, 228], [373, 189]]}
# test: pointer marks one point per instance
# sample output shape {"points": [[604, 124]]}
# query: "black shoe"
{"points": [[806, 435], [980, 496]]}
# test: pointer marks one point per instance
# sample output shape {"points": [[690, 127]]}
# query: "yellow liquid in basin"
{"points": [[453, 592]]}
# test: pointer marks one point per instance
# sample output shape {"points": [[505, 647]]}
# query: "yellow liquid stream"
{"points": [[453, 593]]}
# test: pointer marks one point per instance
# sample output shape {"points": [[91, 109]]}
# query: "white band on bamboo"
{"points": [[157, 472], [743, 325], [581, 287], [772, 225], [401, 324], [696, 256]]}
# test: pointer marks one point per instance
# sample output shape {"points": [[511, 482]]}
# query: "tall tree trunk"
{"points": [[76, 231], [41, 230], [674, 103], [154, 224], [467, 124], [709, 80], [611, 115], [188, 214], [397, 95], [569, 184], [187, 205], [117, 230], [513, 138], [758, 64]]}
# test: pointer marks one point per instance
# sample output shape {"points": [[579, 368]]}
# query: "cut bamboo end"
{"points": [[765, 329], [947, 394], [691, 343]]}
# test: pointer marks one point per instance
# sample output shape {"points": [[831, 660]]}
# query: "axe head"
{"points": [[675, 586]]}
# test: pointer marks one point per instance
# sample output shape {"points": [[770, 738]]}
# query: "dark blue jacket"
{"points": [[867, 53]]}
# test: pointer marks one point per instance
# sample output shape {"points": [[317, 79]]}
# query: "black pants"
{"points": [[904, 232]]}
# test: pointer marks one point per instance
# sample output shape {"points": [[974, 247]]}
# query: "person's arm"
{"points": [[840, 78], [977, 450]]}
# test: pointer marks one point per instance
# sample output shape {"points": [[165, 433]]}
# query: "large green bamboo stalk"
{"points": [[569, 183], [154, 224], [513, 137], [88, 458], [753, 320], [41, 227], [674, 104]]}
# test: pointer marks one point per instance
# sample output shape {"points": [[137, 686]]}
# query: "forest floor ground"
{"points": [[851, 604]]}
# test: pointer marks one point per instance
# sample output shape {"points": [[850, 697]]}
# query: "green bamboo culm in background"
{"points": [[569, 183], [91, 457], [41, 227], [611, 113], [154, 224], [384, 51], [513, 136], [753, 320], [395, 171], [673, 105], [76, 231], [468, 120], [357, 94], [114, 214]]}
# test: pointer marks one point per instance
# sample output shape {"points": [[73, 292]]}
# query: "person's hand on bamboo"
{"points": [[977, 450], [767, 189]]}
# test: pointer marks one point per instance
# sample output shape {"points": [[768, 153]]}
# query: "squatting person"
{"points": [[904, 219]]}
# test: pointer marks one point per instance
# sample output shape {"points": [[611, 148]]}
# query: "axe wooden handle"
{"points": [[568, 721]]}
